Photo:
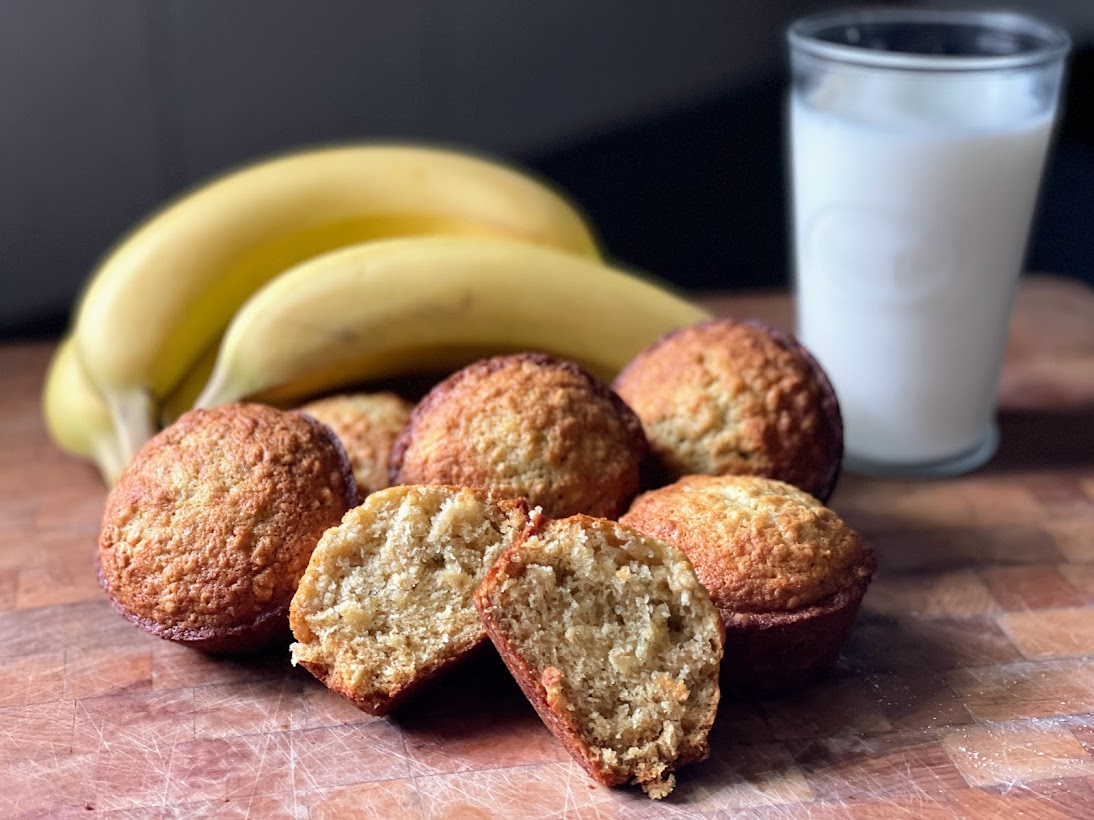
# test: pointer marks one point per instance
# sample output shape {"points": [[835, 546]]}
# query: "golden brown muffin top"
{"points": [[367, 425], [212, 523], [726, 397], [530, 426], [757, 545]]}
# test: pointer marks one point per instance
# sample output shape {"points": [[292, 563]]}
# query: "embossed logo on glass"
{"points": [[879, 258]]}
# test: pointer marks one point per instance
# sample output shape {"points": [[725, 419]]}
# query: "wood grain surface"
{"points": [[966, 689]]}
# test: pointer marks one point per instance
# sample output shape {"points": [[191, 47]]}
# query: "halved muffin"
{"points": [[386, 601], [786, 574], [615, 643]]}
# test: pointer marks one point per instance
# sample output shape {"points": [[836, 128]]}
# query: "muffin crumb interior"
{"points": [[389, 591], [623, 639]]}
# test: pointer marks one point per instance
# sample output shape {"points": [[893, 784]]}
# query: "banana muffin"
{"points": [[528, 426], [385, 603], [367, 425], [729, 397], [615, 643], [207, 532], [786, 574]]}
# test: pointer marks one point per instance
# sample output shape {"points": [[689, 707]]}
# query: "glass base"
{"points": [[940, 468]]}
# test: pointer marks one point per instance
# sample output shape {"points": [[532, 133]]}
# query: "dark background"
{"points": [[663, 120]]}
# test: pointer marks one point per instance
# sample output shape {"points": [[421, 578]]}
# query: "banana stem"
{"points": [[183, 396], [134, 413], [108, 458], [217, 391]]}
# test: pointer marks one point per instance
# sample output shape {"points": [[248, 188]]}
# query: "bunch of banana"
{"points": [[283, 280], [430, 304], [163, 297]]}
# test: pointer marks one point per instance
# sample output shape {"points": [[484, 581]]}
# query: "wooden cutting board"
{"points": [[967, 687]]}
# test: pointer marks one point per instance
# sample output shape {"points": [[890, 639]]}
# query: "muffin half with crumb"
{"points": [[786, 574], [211, 525], [386, 601], [615, 643]]}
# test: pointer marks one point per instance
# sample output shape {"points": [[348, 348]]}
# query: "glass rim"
{"points": [[1054, 42]]}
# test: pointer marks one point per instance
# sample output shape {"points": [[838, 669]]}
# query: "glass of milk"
{"points": [[917, 142]]}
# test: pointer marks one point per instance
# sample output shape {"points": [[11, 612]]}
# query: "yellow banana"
{"points": [[165, 294], [76, 417], [429, 304]]}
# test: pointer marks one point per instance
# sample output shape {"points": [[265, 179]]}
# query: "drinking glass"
{"points": [[917, 142]]}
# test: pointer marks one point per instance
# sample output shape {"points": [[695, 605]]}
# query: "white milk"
{"points": [[912, 203]]}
